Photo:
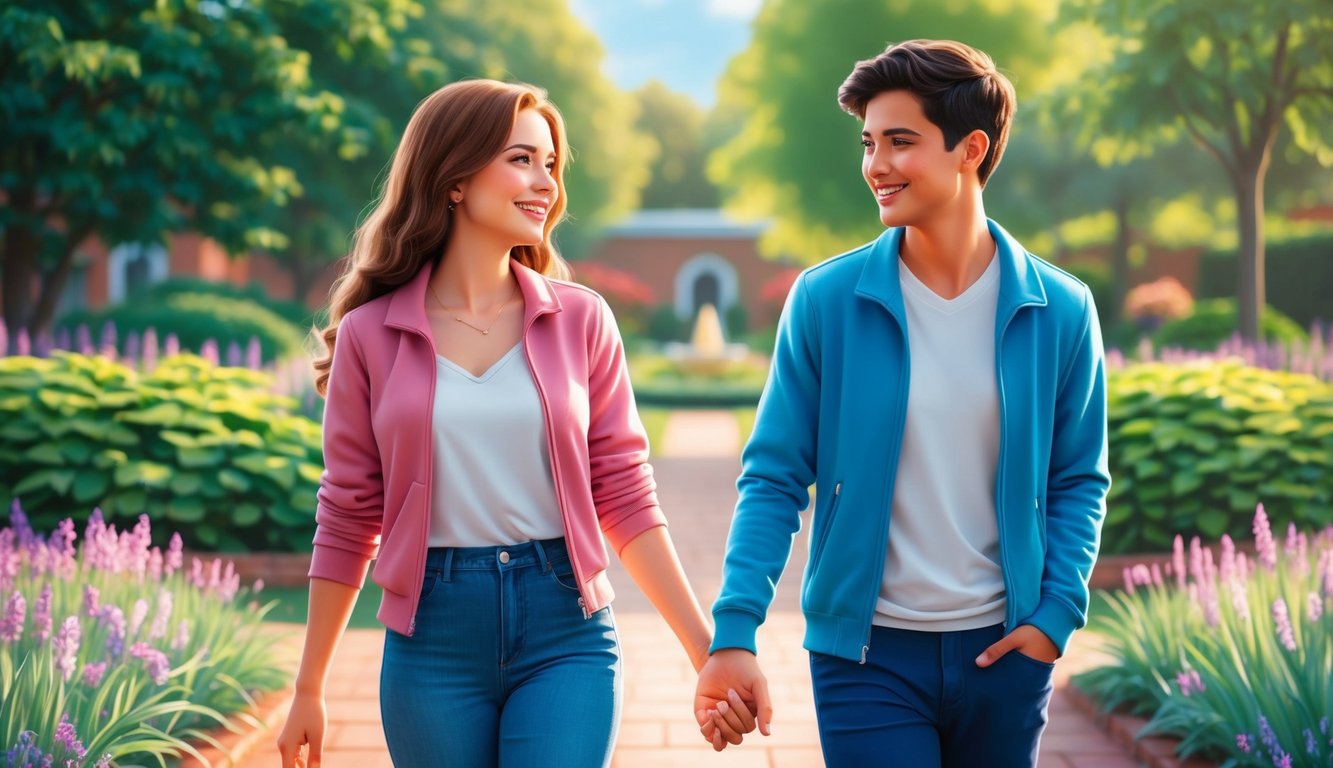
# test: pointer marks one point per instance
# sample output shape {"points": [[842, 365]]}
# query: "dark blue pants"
{"points": [[920, 700], [503, 670]]}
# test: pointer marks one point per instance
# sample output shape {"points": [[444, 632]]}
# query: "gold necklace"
{"points": [[483, 331]]}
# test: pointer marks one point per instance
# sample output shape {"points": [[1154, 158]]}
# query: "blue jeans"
{"points": [[503, 669], [921, 700]]}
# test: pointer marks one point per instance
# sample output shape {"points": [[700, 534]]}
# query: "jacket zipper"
{"points": [[555, 470], [430, 480], [999, 473]]}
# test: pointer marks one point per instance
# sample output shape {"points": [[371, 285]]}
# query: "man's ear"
{"points": [[975, 146]]}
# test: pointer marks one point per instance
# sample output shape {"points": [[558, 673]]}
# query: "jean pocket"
{"points": [[429, 581], [562, 573], [1046, 666]]}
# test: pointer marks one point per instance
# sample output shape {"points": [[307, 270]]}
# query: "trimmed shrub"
{"points": [[208, 449], [1297, 274], [293, 312], [197, 317], [1214, 321], [1194, 447]]}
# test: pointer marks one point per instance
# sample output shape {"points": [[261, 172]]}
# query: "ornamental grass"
{"points": [[113, 651], [1232, 653]]}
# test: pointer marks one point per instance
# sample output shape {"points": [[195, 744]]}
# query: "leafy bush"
{"points": [[665, 383], [196, 318], [179, 443], [1232, 655], [664, 325], [293, 312], [1297, 274], [1193, 448], [120, 653], [1214, 321]]}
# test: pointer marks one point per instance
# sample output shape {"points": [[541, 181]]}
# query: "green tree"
{"points": [[677, 125], [797, 155], [1231, 75], [132, 120]]}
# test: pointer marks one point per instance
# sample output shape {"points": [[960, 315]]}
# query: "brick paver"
{"points": [[696, 484]]}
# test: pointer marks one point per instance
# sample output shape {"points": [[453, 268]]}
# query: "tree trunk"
{"points": [[54, 282], [1250, 295], [20, 267]]}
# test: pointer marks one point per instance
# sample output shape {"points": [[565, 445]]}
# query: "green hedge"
{"points": [[196, 318], [1297, 274], [1214, 321], [198, 447], [293, 312], [1194, 447]]}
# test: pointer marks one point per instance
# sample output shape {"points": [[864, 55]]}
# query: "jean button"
{"points": [[504, 557]]}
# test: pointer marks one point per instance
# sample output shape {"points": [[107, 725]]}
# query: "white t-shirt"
{"points": [[492, 484], [942, 573]]}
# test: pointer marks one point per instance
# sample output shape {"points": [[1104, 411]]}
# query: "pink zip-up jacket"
{"points": [[374, 495]]}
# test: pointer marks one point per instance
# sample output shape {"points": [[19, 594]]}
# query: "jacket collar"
{"points": [[407, 303], [1020, 285]]}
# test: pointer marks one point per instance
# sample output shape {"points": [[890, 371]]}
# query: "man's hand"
{"points": [[731, 698], [1027, 640]]}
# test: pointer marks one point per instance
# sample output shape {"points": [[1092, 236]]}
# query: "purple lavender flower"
{"points": [[68, 739], [19, 522], [1267, 736], [155, 564], [1314, 607], [133, 348], [10, 560], [11, 624], [92, 600], [1282, 617], [1190, 682], [1178, 560], [93, 672], [1282, 760], [172, 345], [107, 344], [1310, 744], [1228, 564], [116, 630], [174, 554], [209, 351], [83, 340], [1326, 570], [65, 647], [23, 344], [1264, 545], [150, 349], [1243, 741], [233, 354], [254, 354], [182, 637], [156, 662], [41, 614], [137, 616], [62, 549], [158, 630]]}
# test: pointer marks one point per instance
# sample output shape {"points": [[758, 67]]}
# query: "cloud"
{"points": [[734, 9]]}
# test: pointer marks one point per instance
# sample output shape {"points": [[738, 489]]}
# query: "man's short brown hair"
{"points": [[958, 87]]}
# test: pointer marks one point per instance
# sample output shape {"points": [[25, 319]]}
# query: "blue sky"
{"points": [[684, 43]]}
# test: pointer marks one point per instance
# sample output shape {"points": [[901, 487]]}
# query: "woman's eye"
{"points": [[523, 159]]}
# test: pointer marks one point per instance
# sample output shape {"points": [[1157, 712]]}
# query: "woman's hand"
{"points": [[307, 721]]}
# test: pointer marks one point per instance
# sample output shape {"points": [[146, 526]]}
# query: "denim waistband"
{"points": [[498, 558]]}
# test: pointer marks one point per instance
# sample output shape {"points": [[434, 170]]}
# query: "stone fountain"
{"points": [[707, 353]]}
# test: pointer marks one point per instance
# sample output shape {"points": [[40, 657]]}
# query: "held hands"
{"points": [[731, 698], [306, 723], [1027, 640]]}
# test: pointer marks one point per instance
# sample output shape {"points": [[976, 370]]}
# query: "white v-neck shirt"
{"points": [[492, 484], [942, 572]]}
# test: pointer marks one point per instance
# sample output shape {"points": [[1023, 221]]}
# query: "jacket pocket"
{"points": [[397, 566], [821, 531]]}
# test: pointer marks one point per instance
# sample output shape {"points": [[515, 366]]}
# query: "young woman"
{"points": [[480, 438]]}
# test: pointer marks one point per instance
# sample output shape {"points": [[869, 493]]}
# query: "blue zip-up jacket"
{"points": [[832, 415]]}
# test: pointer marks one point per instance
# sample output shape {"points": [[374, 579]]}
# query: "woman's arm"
{"points": [[330, 608], [650, 558]]}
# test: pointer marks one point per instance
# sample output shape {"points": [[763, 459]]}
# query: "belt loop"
{"points": [[541, 555], [447, 571]]}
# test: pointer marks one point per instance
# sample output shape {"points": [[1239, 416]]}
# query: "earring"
{"points": [[454, 203]]}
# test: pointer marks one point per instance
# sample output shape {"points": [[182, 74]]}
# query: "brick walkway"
{"points": [[696, 486]]}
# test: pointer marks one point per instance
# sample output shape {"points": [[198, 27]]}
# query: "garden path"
{"points": [[696, 486]]}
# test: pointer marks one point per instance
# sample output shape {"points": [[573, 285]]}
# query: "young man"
{"points": [[943, 390]]}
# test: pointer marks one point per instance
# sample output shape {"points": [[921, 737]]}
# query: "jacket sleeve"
{"points": [[1077, 484], [623, 489], [351, 490], [777, 470]]}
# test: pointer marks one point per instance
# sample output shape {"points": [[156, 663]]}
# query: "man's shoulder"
{"points": [[838, 272]]}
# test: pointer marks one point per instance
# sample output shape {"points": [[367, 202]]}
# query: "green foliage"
{"points": [[1194, 447], [208, 632], [1299, 273], [188, 444], [737, 320], [797, 155], [1214, 321], [196, 318], [662, 381], [664, 325], [1099, 282], [293, 312], [1213, 650], [676, 125]]}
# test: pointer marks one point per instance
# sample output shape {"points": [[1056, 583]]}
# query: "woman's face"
{"points": [[510, 198]]}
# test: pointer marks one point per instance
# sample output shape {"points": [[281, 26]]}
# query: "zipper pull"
{"points": [[412, 627], [864, 650], [584, 606], [837, 489]]}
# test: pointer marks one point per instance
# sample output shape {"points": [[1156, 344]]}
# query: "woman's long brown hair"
{"points": [[454, 133]]}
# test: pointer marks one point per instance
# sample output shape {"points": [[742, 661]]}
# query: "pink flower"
{"points": [[65, 647], [93, 672], [137, 615], [67, 738], [156, 662], [164, 604], [1178, 560], [182, 637], [1264, 545], [92, 600], [115, 638], [1190, 682], [1314, 607], [11, 623], [1282, 618], [41, 614], [174, 554]]}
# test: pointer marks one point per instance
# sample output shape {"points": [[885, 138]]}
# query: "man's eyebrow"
{"points": [[894, 132]]}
